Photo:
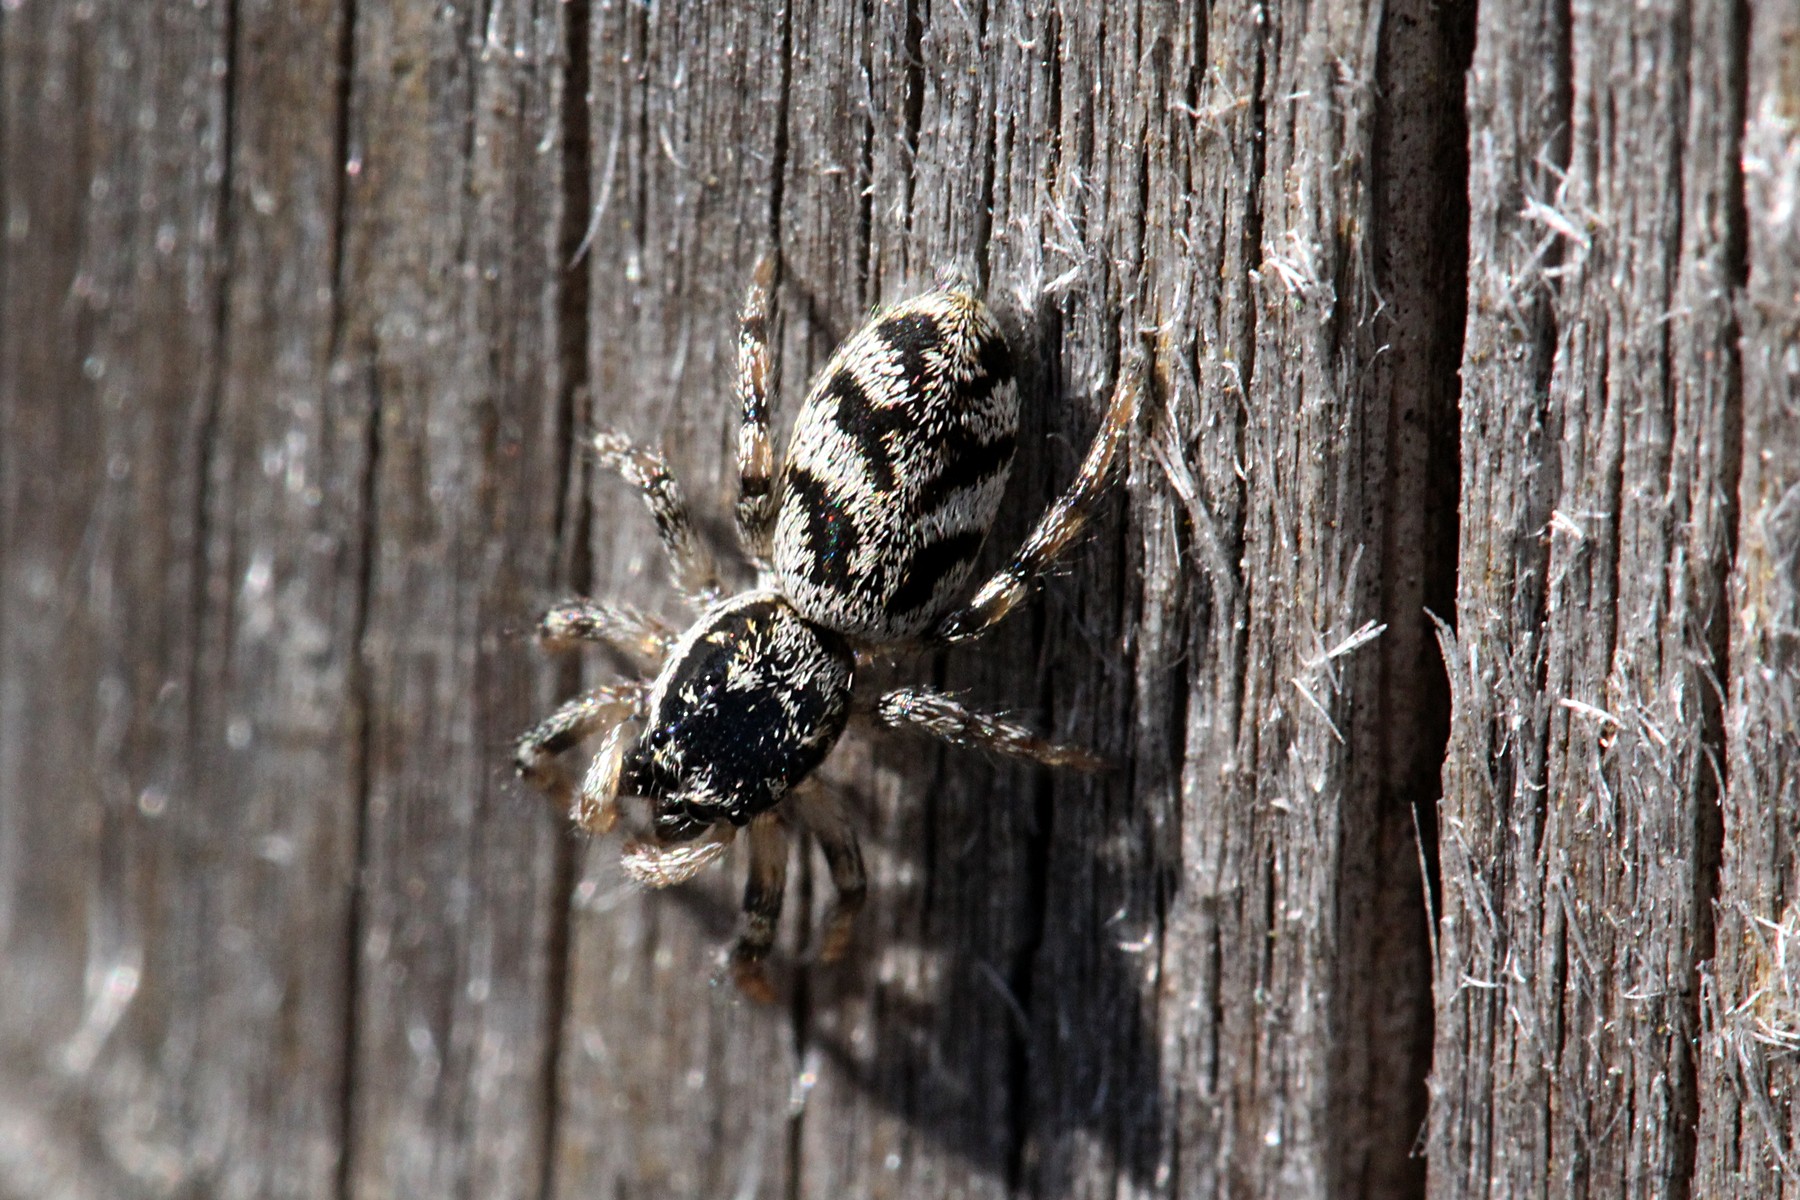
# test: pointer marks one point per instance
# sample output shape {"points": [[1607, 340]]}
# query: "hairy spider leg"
{"points": [[597, 803], [822, 811], [763, 893], [658, 866], [755, 507], [640, 638], [929, 711], [612, 707], [1055, 532], [692, 567]]}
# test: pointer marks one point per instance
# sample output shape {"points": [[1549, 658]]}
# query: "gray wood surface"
{"points": [[1483, 316], [1602, 441], [1750, 997]]}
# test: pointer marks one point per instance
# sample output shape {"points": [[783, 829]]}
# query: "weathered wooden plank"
{"points": [[1599, 432], [1060, 952], [288, 399], [273, 800], [914, 1041], [1072, 931], [48, 727], [929, 1073], [1748, 1124], [1066, 199], [1518, 120], [1195, 575], [112, 319], [1322, 753], [450, 340]]}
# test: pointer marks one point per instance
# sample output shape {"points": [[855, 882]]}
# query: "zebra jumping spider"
{"points": [[862, 543]]}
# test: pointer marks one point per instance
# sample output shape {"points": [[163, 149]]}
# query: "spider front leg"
{"points": [[927, 710], [1055, 532], [660, 865], [613, 707], [641, 639], [648, 471], [755, 507]]}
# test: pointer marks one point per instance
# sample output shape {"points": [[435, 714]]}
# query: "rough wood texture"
{"points": [[1749, 1119], [1604, 431], [303, 310]]}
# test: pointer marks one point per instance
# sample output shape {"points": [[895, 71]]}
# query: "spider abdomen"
{"points": [[896, 469]]}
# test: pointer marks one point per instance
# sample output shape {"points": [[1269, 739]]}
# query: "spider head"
{"points": [[750, 700]]}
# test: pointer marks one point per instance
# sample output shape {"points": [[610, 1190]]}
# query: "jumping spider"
{"points": [[862, 544]]}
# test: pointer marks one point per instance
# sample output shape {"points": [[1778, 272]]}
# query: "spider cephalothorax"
{"points": [[751, 700], [863, 542]]}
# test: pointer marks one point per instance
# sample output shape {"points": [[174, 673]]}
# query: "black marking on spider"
{"points": [[865, 537], [831, 535], [927, 568]]}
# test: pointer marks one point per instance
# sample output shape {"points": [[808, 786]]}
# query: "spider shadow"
{"points": [[991, 999]]}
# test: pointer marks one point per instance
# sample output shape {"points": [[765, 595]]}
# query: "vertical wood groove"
{"points": [[343, 356], [571, 524], [363, 703]]}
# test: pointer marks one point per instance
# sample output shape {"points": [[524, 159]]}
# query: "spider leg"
{"points": [[823, 812], [763, 894], [596, 806], [648, 471], [1055, 532], [642, 639], [655, 865], [927, 710], [614, 706], [755, 508]]}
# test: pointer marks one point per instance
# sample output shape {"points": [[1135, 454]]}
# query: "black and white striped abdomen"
{"points": [[896, 469]]}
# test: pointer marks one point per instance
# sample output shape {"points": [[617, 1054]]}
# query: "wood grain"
{"points": [[1747, 1069], [1580, 823]]}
